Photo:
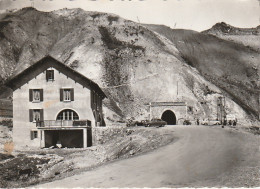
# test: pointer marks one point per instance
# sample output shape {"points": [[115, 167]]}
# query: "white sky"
{"points": [[187, 14]]}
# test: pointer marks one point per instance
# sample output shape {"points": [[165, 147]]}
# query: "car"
{"points": [[186, 122], [155, 123], [214, 122], [204, 122], [210, 122], [132, 123]]}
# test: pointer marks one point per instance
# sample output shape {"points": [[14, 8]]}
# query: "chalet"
{"points": [[53, 105]]}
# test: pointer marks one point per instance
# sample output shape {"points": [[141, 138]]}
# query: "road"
{"points": [[199, 155]]}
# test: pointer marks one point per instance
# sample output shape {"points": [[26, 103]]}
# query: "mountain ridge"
{"points": [[223, 27], [249, 37], [133, 63]]}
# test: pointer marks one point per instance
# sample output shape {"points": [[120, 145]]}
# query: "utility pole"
{"points": [[177, 82], [177, 89], [32, 3], [138, 19], [221, 110], [150, 111]]}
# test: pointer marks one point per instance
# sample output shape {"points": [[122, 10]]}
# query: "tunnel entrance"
{"points": [[169, 117]]}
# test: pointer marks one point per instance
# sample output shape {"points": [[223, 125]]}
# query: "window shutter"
{"points": [[47, 75], [61, 94], [72, 94], [30, 95], [30, 115], [52, 71], [31, 135], [41, 95], [41, 115]]}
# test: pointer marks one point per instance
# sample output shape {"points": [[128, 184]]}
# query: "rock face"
{"points": [[135, 64], [230, 65]]}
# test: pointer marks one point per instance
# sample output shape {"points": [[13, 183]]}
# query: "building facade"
{"points": [[54, 105]]}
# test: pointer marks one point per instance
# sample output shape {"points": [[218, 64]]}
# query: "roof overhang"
{"points": [[45, 63]]}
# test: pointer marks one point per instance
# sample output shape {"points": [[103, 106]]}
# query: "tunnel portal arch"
{"points": [[169, 117]]}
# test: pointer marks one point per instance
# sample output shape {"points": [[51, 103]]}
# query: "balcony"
{"points": [[63, 123]]}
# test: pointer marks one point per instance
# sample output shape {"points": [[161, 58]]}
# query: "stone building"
{"points": [[54, 105]]}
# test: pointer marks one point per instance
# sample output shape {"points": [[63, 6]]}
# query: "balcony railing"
{"points": [[63, 123]]}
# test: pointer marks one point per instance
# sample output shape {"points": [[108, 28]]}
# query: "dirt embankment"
{"points": [[27, 168]]}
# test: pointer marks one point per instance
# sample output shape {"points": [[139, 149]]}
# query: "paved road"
{"points": [[201, 154]]}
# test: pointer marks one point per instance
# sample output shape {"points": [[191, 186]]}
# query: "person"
{"points": [[235, 122], [198, 121]]}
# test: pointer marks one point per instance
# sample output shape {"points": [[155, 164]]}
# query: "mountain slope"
{"points": [[232, 67], [133, 64]]}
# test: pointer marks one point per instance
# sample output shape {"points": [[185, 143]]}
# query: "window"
{"points": [[34, 134], [50, 75], [66, 95], [36, 115], [67, 115], [36, 95]]}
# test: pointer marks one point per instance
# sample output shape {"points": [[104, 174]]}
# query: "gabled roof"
{"points": [[45, 63]]}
